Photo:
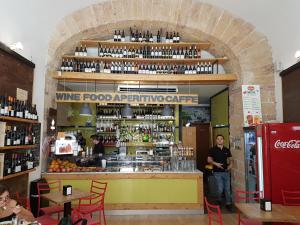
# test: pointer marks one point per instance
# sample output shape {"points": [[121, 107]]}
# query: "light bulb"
{"points": [[297, 54]]}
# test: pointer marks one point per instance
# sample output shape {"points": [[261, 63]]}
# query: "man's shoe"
{"points": [[229, 208]]}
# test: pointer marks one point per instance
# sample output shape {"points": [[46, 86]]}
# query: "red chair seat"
{"points": [[47, 220], [52, 209], [87, 209]]}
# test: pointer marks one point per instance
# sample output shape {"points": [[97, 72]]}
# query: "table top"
{"points": [[279, 213], [59, 198]]}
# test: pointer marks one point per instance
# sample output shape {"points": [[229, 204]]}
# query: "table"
{"points": [[59, 198], [279, 213]]}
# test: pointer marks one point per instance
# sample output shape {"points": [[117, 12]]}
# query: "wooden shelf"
{"points": [[18, 174], [17, 147], [95, 43], [109, 145], [15, 119], [145, 78], [148, 60], [137, 144]]}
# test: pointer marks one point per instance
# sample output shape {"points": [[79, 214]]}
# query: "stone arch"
{"points": [[248, 50]]}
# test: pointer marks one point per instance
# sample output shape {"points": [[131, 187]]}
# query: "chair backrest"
{"points": [[22, 200], [52, 186], [98, 187], [246, 196], [290, 197], [214, 213]]}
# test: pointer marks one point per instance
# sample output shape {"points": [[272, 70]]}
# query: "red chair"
{"points": [[247, 196], [78, 218], [46, 187], [214, 213], [95, 202], [45, 219], [291, 197], [23, 201]]}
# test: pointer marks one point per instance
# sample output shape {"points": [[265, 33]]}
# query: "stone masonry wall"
{"points": [[248, 50]]}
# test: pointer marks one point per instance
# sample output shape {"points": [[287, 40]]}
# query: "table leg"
{"points": [[67, 209]]}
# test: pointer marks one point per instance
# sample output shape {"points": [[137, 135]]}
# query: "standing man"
{"points": [[220, 157]]}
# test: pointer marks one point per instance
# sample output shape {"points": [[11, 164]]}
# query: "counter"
{"points": [[142, 190]]}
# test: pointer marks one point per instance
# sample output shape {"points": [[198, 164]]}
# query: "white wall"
{"points": [[33, 21]]}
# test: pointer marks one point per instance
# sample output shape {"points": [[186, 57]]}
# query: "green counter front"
{"points": [[141, 191]]}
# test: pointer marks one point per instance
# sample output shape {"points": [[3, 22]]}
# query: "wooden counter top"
{"points": [[118, 175]]}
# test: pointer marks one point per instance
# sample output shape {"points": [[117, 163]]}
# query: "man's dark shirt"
{"points": [[98, 148], [220, 156]]}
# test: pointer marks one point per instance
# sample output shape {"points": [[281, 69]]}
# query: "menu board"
{"points": [[251, 105]]}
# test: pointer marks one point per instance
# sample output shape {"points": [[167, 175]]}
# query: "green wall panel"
{"points": [[219, 109], [145, 190]]}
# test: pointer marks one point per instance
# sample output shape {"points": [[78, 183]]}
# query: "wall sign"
{"points": [[251, 105], [134, 98], [22, 95]]}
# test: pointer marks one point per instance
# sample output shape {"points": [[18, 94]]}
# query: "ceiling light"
{"points": [[297, 55], [16, 46], [85, 110], [167, 111], [127, 111]]}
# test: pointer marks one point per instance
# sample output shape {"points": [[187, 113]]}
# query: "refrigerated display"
{"points": [[278, 159], [250, 158]]}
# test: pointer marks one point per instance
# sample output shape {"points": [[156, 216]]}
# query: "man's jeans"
{"points": [[223, 180]]}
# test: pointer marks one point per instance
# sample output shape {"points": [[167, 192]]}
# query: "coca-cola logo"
{"points": [[287, 144]]}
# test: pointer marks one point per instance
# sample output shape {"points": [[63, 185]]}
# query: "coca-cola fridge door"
{"points": [[285, 158]]}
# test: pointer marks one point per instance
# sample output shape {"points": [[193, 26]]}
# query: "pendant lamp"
{"points": [[167, 111], [127, 111], [85, 110]]}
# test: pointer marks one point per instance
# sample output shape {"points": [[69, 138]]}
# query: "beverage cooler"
{"points": [[278, 159], [250, 158]]}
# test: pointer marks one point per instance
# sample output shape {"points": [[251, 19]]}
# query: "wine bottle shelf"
{"points": [[138, 144], [18, 147], [109, 145], [15, 119], [148, 60], [106, 132], [18, 174], [146, 78], [96, 43], [124, 119]]}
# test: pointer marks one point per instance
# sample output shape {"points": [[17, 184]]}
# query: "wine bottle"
{"points": [[123, 36], [115, 36]]}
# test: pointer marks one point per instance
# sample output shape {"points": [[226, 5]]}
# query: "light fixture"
{"points": [[188, 124], [52, 125], [85, 110], [297, 55], [16, 46], [127, 111], [167, 111]]}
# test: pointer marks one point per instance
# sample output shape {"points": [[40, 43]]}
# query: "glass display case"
{"points": [[179, 159]]}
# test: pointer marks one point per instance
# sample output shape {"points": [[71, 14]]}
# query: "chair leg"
{"points": [[239, 218], [104, 217]]}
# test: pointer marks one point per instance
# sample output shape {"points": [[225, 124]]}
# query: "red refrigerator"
{"points": [[278, 159]]}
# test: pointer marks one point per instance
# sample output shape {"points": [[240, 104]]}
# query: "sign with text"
{"points": [[133, 98], [251, 105]]}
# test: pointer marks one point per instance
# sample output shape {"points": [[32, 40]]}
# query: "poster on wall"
{"points": [[251, 105]]}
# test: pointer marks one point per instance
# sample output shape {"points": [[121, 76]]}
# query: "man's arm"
{"points": [[211, 161], [229, 167]]}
